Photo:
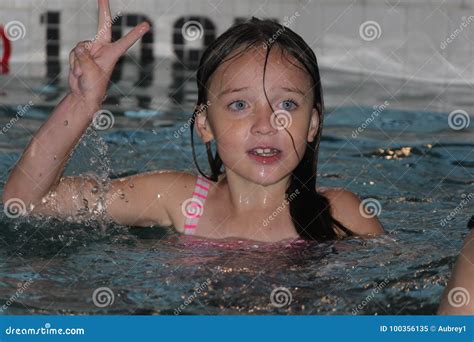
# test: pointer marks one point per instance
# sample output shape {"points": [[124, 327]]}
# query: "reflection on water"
{"points": [[410, 161], [151, 271]]}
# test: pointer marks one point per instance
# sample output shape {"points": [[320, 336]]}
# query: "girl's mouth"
{"points": [[265, 155]]}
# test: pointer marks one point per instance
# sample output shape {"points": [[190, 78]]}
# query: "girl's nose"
{"points": [[262, 123]]}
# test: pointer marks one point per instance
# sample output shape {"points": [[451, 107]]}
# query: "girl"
{"points": [[260, 100]]}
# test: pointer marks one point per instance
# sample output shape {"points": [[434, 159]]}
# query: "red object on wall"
{"points": [[4, 68]]}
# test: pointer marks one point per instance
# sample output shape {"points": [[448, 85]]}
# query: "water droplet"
{"points": [[55, 157], [122, 196], [94, 189], [85, 201], [66, 122], [131, 185]]}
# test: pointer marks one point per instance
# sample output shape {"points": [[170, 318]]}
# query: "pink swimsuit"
{"points": [[194, 207]]}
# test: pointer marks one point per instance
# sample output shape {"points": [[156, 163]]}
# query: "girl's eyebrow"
{"points": [[293, 90], [231, 90], [236, 90]]}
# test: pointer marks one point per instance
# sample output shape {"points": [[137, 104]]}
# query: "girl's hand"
{"points": [[92, 62]]}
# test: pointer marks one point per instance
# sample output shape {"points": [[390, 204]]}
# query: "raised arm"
{"points": [[39, 169]]}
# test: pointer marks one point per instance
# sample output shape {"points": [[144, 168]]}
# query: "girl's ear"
{"points": [[313, 125], [202, 124]]}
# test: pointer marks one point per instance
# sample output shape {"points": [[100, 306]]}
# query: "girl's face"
{"points": [[252, 140]]}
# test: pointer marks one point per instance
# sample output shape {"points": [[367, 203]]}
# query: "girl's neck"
{"points": [[245, 196], [254, 212]]}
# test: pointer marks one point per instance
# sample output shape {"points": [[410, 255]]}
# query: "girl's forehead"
{"points": [[245, 68]]}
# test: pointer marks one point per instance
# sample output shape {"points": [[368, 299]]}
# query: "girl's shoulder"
{"points": [[179, 187], [347, 208]]}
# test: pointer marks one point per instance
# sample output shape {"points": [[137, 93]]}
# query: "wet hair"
{"points": [[310, 210]]}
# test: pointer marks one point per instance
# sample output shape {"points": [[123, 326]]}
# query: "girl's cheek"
{"points": [[299, 131], [229, 138]]}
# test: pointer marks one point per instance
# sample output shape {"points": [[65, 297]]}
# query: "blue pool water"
{"points": [[410, 161]]}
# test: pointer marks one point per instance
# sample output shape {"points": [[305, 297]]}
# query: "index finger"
{"points": [[104, 30], [124, 43]]}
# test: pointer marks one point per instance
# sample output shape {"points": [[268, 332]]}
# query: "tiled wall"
{"points": [[409, 42]]}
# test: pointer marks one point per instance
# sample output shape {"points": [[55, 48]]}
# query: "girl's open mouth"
{"points": [[265, 155]]}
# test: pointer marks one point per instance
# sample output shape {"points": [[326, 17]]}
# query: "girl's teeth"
{"points": [[265, 151]]}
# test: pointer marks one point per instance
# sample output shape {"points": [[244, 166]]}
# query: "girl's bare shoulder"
{"points": [[176, 187], [347, 208]]}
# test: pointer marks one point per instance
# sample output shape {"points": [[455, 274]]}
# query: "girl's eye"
{"points": [[238, 105], [288, 104]]}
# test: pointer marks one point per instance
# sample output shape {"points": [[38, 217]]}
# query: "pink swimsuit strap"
{"points": [[194, 207]]}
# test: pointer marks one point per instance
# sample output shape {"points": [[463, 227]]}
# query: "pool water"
{"points": [[410, 161]]}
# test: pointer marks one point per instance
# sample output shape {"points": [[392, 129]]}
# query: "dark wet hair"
{"points": [[310, 210]]}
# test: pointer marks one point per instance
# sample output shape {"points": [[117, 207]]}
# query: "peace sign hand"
{"points": [[92, 62]]}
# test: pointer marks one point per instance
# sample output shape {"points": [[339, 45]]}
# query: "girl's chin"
{"points": [[266, 176], [263, 174]]}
